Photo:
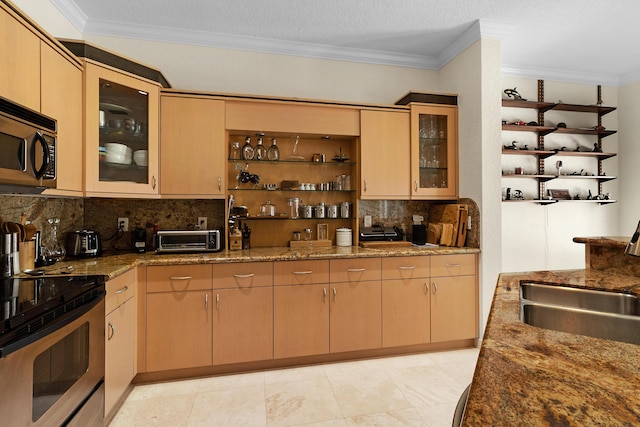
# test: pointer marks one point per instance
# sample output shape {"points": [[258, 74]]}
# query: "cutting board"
{"points": [[384, 244]]}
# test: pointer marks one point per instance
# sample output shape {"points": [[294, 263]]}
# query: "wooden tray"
{"points": [[385, 244]]}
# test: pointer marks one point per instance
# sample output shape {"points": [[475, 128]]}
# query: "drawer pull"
{"points": [[112, 331], [452, 265], [303, 272], [355, 270], [119, 291], [409, 267], [180, 278], [243, 276]]}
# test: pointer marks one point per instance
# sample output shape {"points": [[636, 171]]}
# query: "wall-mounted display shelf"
{"points": [[540, 152]]}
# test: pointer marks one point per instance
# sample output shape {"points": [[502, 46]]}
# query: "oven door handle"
{"points": [[61, 322]]}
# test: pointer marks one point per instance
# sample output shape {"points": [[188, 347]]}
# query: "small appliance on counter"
{"points": [[378, 233], [419, 231], [84, 243], [189, 241], [139, 240]]}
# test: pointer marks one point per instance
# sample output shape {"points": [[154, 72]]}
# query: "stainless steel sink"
{"points": [[605, 301], [599, 314]]}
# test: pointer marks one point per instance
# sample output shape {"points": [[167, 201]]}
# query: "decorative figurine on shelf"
{"points": [[513, 93], [597, 148], [517, 195], [511, 147], [559, 167]]}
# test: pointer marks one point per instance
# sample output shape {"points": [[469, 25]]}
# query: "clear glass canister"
{"points": [[294, 207], [235, 153], [248, 152], [307, 234]]}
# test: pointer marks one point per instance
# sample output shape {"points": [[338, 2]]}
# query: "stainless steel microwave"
{"points": [[188, 241], [27, 149]]}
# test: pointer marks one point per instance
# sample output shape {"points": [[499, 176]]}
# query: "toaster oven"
{"points": [[188, 241]]}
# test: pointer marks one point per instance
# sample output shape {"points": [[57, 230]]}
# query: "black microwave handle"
{"points": [[46, 155]]}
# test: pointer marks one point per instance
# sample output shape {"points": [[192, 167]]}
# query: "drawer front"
{"points": [[242, 275], [300, 272], [409, 267], [453, 265], [119, 290], [354, 269], [178, 278]]}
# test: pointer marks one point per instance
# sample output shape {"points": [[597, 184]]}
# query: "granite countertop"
{"points": [[527, 375], [117, 264]]}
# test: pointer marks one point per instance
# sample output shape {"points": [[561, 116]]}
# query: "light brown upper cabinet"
{"points": [[120, 108], [434, 152], [385, 155], [192, 147]]}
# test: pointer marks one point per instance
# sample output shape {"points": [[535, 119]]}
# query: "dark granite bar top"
{"points": [[530, 376], [114, 265]]}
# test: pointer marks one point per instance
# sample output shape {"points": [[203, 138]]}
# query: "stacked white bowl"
{"points": [[118, 153], [140, 157]]}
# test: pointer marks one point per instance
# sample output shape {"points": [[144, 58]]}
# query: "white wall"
{"points": [[49, 18], [629, 157], [475, 76], [540, 237]]}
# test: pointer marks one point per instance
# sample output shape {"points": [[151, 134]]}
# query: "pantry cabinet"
{"points": [[178, 317], [120, 108], [454, 297], [384, 155], [20, 65], [192, 145], [243, 312], [120, 337], [434, 152]]}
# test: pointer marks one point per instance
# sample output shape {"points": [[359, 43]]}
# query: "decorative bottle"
{"points": [[273, 153], [261, 151], [248, 152]]}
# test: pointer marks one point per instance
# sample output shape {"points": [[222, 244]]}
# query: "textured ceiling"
{"points": [[577, 40]]}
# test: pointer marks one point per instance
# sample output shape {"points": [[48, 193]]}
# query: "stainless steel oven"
{"points": [[52, 351], [27, 149]]}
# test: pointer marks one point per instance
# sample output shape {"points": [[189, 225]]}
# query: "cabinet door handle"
{"points": [[154, 182], [219, 183], [415, 185], [324, 295], [243, 276], [355, 270], [112, 331], [335, 294], [365, 185], [217, 300], [426, 288], [180, 278], [435, 287], [409, 267], [303, 272], [206, 302], [452, 265], [119, 291]]}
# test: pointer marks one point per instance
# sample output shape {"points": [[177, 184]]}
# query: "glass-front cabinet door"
{"points": [[121, 129], [434, 156]]}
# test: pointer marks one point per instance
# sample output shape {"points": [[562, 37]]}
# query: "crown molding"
{"points": [[629, 78], [479, 29], [72, 12]]}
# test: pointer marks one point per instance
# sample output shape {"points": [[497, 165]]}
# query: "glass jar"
{"points": [[53, 250], [294, 207], [307, 234], [235, 153], [261, 151], [248, 152], [273, 153]]}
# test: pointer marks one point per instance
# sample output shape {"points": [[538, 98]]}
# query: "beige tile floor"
{"points": [[413, 390]]}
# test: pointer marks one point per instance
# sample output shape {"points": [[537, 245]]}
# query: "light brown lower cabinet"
{"points": [[405, 312], [243, 312], [120, 337], [179, 317], [300, 320], [454, 297]]}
